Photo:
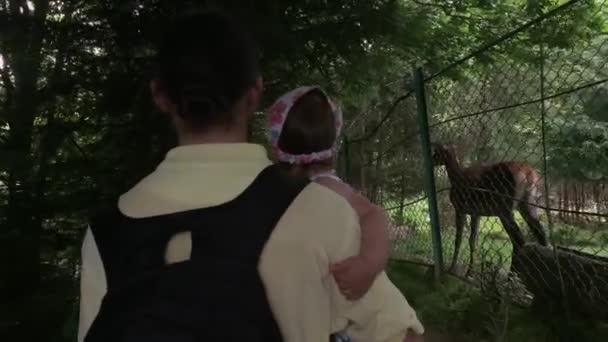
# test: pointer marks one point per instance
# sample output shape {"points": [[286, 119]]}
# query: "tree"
{"points": [[77, 126]]}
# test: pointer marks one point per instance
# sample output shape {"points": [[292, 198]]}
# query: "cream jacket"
{"points": [[318, 229]]}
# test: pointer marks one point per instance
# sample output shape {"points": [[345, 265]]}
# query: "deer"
{"points": [[491, 190]]}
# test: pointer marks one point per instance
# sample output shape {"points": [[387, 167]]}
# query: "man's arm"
{"points": [[92, 284], [295, 274]]}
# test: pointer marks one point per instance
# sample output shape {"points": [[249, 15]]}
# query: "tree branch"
{"points": [[5, 76], [56, 80], [7, 83], [53, 138], [449, 11], [429, 4], [15, 5]]}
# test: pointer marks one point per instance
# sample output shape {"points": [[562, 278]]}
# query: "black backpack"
{"points": [[216, 295]]}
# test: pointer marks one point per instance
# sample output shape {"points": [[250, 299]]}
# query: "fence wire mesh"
{"points": [[389, 170], [520, 133]]}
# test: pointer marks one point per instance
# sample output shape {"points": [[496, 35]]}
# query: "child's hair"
{"points": [[303, 128], [205, 64], [310, 125]]}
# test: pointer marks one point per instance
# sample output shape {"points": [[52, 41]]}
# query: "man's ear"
{"points": [[160, 98]]}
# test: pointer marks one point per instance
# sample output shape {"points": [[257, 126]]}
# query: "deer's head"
{"points": [[440, 154]]}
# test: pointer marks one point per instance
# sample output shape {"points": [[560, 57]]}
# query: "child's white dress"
{"points": [[399, 313]]}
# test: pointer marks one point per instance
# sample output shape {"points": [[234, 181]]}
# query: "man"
{"points": [[212, 187]]}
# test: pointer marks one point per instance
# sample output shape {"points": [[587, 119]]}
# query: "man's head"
{"points": [[208, 77]]}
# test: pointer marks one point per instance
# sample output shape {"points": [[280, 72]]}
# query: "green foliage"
{"points": [[454, 311], [433, 305], [77, 126], [579, 147]]}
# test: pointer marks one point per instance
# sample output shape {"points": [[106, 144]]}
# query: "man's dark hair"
{"points": [[206, 62]]}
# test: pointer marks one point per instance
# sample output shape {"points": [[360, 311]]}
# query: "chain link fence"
{"points": [[519, 156], [385, 161]]}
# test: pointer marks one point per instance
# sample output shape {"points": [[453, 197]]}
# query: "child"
{"points": [[304, 126]]}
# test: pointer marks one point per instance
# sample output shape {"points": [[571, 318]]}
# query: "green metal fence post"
{"points": [[429, 176]]}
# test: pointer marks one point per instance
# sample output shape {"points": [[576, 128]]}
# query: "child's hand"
{"points": [[413, 337], [354, 276]]}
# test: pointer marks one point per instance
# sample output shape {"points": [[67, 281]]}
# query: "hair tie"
{"points": [[277, 115]]}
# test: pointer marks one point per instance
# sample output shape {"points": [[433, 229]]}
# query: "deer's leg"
{"points": [[515, 235], [460, 218], [473, 241], [508, 221], [530, 215]]}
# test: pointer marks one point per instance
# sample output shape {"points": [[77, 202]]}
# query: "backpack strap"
{"points": [[217, 294]]}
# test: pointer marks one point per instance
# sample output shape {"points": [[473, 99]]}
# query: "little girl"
{"points": [[304, 126]]}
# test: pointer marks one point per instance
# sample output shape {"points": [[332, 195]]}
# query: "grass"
{"points": [[463, 313], [493, 243]]}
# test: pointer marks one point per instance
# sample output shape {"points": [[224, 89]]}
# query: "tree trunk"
{"points": [[596, 200], [603, 199], [364, 162], [561, 203], [567, 202], [24, 61], [378, 177], [401, 217], [21, 276]]}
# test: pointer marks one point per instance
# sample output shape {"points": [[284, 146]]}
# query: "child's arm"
{"points": [[375, 243], [355, 275]]}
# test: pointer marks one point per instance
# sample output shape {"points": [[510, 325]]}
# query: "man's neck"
{"points": [[220, 136]]}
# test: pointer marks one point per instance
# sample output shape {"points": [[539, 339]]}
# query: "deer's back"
{"points": [[488, 189], [522, 170]]}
